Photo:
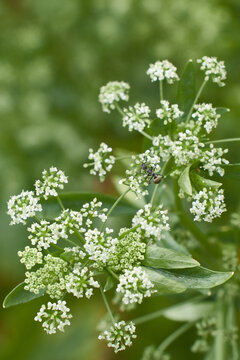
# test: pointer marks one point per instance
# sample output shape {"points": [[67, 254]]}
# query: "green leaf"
{"points": [[168, 242], [186, 88], [198, 277], [74, 201], [164, 283], [109, 284], [189, 311], [200, 182], [222, 110], [19, 296], [184, 181], [158, 257]]}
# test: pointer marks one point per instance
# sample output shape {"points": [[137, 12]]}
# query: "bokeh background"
{"points": [[54, 56]]}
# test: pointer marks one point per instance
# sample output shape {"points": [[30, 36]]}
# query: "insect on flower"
{"points": [[157, 178]]}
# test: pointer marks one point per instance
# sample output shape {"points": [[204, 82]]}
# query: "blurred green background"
{"points": [[54, 56]]}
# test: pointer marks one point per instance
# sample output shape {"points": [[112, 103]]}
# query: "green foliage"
{"points": [[19, 296], [158, 257]]}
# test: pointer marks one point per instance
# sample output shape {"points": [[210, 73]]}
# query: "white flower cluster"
{"points": [[99, 246], [136, 178], [137, 117], [206, 116], [208, 204], [44, 234], [80, 282], [212, 160], [152, 222], [92, 210], [168, 113], [186, 148], [51, 180], [102, 161], [70, 221], [81, 220], [129, 251], [23, 206], [134, 285], [55, 316], [113, 92], [119, 336], [213, 69], [73, 255], [161, 70], [30, 257]]}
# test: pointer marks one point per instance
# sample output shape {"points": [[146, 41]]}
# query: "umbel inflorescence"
{"points": [[75, 253]]}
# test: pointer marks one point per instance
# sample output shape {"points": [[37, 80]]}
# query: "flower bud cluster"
{"points": [[50, 277], [129, 251], [30, 257]]}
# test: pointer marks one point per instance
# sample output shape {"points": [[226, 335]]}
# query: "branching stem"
{"points": [[195, 100], [107, 306]]}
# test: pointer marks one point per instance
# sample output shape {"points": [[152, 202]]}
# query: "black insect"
{"points": [[157, 178]]}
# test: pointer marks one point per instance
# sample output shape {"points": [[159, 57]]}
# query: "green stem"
{"points": [[113, 207], [123, 157], [120, 110], [79, 236], [231, 324], [60, 203], [219, 340], [161, 90], [145, 134], [157, 186], [195, 100], [112, 273], [71, 242], [107, 306], [154, 193], [173, 336], [57, 247], [222, 140]]}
